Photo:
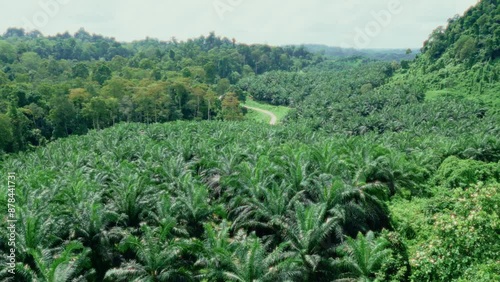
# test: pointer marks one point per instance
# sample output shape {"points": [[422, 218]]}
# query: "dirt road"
{"points": [[274, 118]]}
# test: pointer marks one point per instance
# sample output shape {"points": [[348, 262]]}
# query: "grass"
{"points": [[258, 117], [279, 111], [433, 94]]}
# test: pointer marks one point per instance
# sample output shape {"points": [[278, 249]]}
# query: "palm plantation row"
{"points": [[211, 202], [140, 210], [165, 204]]}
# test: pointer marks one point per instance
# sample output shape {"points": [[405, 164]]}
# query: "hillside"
{"points": [[462, 58]]}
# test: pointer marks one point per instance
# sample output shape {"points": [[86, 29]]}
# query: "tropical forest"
{"points": [[208, 159]]}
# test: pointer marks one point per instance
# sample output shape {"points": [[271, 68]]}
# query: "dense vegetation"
{"points": [[462, 59], [52, 87], [210, 201], [382, 171]]}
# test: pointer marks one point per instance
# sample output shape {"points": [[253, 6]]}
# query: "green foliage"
{"points": [[336, 77], [80, 70], [396, 266], [366, 147], [388, 55], [101, 74], [457, 173], [148, 200], [5, 132], [62, 117], [7, 52], [222, 86], [362, 257], [462, 237], [465, 48], [463, 56], [231, 107], [144, 81], [20, 126], [485, 272]]}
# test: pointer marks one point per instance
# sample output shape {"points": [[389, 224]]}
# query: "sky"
{"points": [[344, 23]]}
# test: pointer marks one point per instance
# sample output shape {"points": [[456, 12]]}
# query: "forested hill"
{"points": [[55, 86], [221, 51], [463, 57]]}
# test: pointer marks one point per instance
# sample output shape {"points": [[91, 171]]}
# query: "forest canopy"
{"points": [[139, 161]]}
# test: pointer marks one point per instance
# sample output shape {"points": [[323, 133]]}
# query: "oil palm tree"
{"points": [[157, 258], [362, 207], [192, 205], [91, 224], [65, 263], [296, 168], [130, 196], [309, 236], [266, 210], [253, 262], [361, 257], [216, 257]]}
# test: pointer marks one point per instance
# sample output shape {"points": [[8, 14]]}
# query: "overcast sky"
{"points": [[346, 23]]}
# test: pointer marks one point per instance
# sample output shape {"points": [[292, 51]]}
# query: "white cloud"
{"points": [[277, 22]]}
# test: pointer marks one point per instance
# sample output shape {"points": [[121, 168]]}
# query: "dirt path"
{"points": [[274, 118]]}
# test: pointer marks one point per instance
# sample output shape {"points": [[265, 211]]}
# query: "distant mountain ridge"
{"points": [[377, 54]]}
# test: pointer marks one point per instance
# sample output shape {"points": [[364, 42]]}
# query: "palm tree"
{"points": [[130, 196], [192, 205], [90, 223], [163, 217], [396, 172], [77, 205], [324, 159], [309, 237], [362, 207], [361, 257], [296, 168], [252, 262], [216, 257], [67, 263], [158, 258], [265, 210]]}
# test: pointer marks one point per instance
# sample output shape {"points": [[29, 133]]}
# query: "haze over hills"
{"points": [[138, 161], [377, 54]]}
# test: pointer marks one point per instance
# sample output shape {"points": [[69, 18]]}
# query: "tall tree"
{"points": [[101, 73], [5, 132], [231, 107]]}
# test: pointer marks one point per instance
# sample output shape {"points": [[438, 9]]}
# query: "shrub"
{"points": [[457, 173], [462, 237]]}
